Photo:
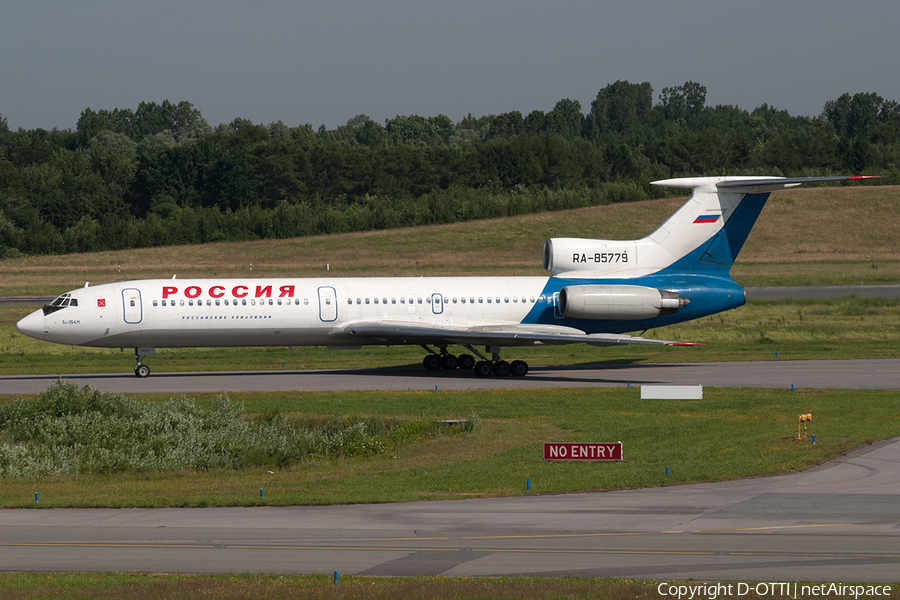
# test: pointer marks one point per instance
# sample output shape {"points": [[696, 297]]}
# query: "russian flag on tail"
{"points": [[712, 218]]}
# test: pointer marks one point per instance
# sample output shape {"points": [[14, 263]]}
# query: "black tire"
{"points": [[483, 368], [518, 368], [142, 371], [432, 362], [449, 362], [501, 368], [465, 361]]}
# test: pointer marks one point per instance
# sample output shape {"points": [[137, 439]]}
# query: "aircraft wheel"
{"points": [[465, 361], [483, 368], [142, 371], [448, 361], [432, 362], [518, 368], [501, 368]]}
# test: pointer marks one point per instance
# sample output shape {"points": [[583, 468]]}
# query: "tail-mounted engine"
{"points": [[572, 257], [618, 302]]}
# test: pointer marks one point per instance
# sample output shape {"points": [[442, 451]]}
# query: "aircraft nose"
{"points": [[32, 325]]}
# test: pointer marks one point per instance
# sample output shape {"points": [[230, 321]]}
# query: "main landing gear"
{"points": [[483, 368]]}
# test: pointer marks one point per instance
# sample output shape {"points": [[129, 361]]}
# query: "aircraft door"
{"points": [[437, 304], [133, 312], [327, 304]]}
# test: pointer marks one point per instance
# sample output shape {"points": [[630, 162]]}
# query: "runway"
{"points": [[838, 522], [881, 374]]}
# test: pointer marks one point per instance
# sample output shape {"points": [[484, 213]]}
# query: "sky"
{"points": [[325, 62]]}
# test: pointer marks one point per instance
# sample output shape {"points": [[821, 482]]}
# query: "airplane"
{"points": [[597, 292]]}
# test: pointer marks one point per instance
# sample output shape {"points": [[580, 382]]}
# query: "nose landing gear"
{"points": [[140, 369]]}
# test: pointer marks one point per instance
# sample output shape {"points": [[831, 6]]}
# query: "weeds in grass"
{"points": [[72, 431]]}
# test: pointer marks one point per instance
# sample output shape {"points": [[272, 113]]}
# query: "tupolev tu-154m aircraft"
{"points": [[597, 291]]}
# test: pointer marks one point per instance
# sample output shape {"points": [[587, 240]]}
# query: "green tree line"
{"points": [[160, 174]]}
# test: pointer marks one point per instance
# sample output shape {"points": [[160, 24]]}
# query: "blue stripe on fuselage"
{"points": [[708, 295]]}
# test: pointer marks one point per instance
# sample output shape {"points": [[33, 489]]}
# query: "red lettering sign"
{"points": [[238, 291], [582, 451]]}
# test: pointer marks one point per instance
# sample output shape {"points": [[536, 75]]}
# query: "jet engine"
{"points": [[572, 257], [618, 302]]}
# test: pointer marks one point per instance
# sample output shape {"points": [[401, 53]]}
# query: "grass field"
{"points": [[837, 235], [731, 433], [19, 586]]}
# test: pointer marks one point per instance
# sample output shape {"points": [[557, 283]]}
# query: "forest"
{"points": [[160, 174]]}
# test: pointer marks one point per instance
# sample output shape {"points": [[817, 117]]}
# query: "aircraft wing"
{"points": [[390, 333]]}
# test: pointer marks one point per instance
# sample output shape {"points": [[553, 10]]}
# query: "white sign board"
{"points": [[671, 392]]}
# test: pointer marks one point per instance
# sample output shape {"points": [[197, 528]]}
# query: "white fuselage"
{"points": [[279, 312]]}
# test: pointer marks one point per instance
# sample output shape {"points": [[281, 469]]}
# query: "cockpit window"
{"points": [[60, 303]]}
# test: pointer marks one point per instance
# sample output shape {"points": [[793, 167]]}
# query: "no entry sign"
{"points": [[582, 451]]}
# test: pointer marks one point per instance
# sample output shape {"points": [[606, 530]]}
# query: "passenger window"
{"points": [[359, 300], [376, 300], [506, 300], [349, 300], [306, 301], [217, 303], [402, 300], [327, 300], [132, 303], [420, 301], [367, 300], [498, 300], [471, 300], [244, 302], [181, 303], [270, 302], [489, 300], [383, 301], [481, 301], [226, 301], [154, 303], [463, 300], [515, 299], [279, 302], [393, 301], [541, 299], [253, 302]]}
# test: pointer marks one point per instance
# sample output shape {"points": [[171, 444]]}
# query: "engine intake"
{"points": [[618, 302]]}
